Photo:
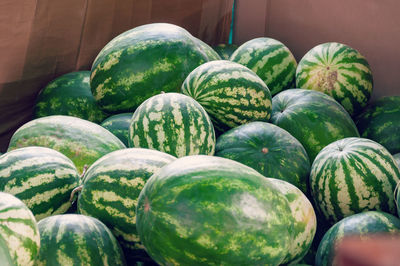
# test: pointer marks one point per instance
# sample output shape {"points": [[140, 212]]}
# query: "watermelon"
{"points": [[231, 93], [225, 50], [19, 230], [271, 60], [206, 210], [380, 121], [269, 149], [80, 140], [110, 190], [41, 177], [315, 119], [142, 62], [75, 239], [305, 224], [69, 94], [173, 123], [338, 71], [5, 256], [119, 126], [353, 175], [361, 224]]}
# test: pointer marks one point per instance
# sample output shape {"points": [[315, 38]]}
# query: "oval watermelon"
{"points": [[119, 126]]}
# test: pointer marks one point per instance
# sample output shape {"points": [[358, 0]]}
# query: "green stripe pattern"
{"points": [[80, 140], [41, 177], [74, 239], [305, 224], [315, 119], [19, 229], [172, 123], [119, 126], [111, 188], [353, 175], [225, 50], [142, 62], [362, 224], [339, 71], [231, 93], [206, 210], [269, 149], [380, 121], [271, 60], [69, 94]]}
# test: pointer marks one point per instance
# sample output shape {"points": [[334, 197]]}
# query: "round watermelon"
{"points": [[269, 149], [305, 223], [380, 121], [119, 126], [142, 62], [271, 60], [69, 94], [173, 123], [314, 118], [111, 188], [231, 93], [19, 230], [205, 210], [225, 50], [74, 239], [362, 224], [353, 175], [80, 140], [338, 71], [41, 177]]}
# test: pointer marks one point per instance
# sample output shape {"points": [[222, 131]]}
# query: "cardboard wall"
{"points": [[372, 27], [43, 39]]}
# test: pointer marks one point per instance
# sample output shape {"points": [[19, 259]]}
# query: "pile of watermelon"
{"points": [[171, 152]]}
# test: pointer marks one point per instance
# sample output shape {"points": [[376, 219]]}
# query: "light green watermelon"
{"points": [[19, 230], [142, 62], [225, 50], [314, 118], [80, 140], [119, 126], [206, 210], [338, 71], [380, 121], [69, 94], [269, 149], [231, 93], [271, 60], [111, 188], [74, 239], [353, 175], [41, 177], [173, 123], [361, 224]]}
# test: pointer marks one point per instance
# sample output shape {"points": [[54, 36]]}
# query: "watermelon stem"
{"points": [[85, 167], [76, 190]]}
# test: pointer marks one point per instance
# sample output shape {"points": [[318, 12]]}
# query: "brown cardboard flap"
{"points": [[43, 39]]}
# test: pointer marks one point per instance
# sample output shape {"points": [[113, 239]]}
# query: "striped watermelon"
{"points": [[19, 229], [270, 150], [111, 188], [339, 71], [142, 62], [173, 123], [225, 50], [119, 126], [206, 210], [305, 224], [80, 140], [5, 256], [271, 60], [380, 121], [231, 93], [41, 177], [353, 175], [362, 224], [74, 239], [315, 119], [69, 94]]}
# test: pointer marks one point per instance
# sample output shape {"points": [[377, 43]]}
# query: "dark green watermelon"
{"points": [[119, 126]]}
